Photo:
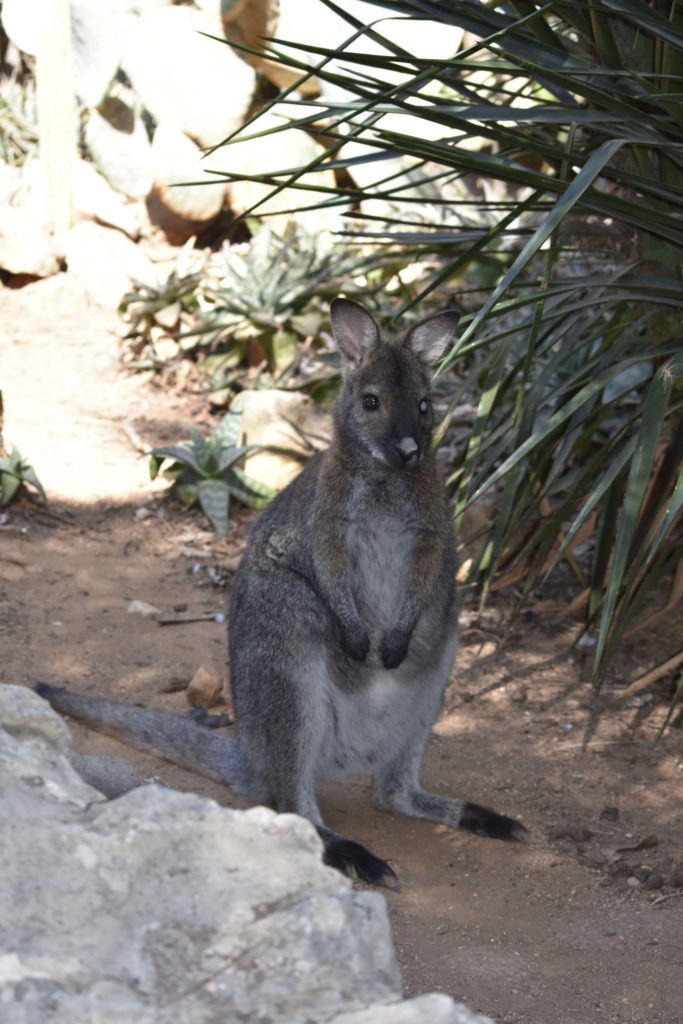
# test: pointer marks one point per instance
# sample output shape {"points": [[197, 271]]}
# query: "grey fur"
{"points": [[343, 618]]}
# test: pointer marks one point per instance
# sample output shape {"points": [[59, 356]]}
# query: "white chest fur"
{"points": [[380, 551]]}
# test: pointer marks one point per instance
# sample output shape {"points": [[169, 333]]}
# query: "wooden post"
{"points": [[55, 101]]}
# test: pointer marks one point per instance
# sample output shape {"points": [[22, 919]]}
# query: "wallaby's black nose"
{"points": [[407, 448]]}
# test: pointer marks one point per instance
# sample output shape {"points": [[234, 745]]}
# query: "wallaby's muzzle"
{"points": [[408, 450]]}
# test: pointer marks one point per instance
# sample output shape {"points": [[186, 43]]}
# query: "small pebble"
{"points": [[148, 611], [610, 931], [609, 813], [204, 687]]}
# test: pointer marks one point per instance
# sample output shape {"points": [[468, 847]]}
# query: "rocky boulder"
{"points": [[184, 199], [286, 427], [161, 906], [183, 77], [27, 245]]}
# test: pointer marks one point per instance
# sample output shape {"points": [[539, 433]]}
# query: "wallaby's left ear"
{"points": [[428, 339]]}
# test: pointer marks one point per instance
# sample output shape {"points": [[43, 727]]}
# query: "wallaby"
{"points": [[343, 618]]}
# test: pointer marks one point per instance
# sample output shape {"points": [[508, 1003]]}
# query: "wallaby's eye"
{"points": [[424, 406], [370, 402]]}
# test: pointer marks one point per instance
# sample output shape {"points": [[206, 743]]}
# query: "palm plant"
{"points": [[540, 173]]}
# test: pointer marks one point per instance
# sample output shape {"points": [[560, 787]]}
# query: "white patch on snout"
{"points": [[407, 446], [378, 454]]}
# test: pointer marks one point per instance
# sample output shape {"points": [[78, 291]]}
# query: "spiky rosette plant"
{"points": [[205, 470]]}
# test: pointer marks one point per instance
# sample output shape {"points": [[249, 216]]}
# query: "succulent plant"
{"points": [[205, 469]]}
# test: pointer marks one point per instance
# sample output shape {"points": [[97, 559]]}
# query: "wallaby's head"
{"points": [[384, 407]]}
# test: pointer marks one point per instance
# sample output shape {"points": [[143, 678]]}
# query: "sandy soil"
{"points": [[581, 924]]}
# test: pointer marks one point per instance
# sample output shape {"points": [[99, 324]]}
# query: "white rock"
{"points": [[97, 34], [194, 83], [138, 6], [119, 145], [105, 262], [21, 20], [164, 908], [308, 21], [429, 1009], [184, 197], [94, 197], [283, 150], [278, 420], [35, 748], [27, 245]]}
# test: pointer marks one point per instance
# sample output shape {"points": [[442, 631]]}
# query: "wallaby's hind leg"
{"points": [[416, 802], [398, 789], [292, 777], [295, 793]]}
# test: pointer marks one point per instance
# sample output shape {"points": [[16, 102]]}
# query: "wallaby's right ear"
{"points": [[354, 330]]}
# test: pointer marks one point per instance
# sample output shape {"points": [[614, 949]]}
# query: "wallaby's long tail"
{"points": [[178, 740]]}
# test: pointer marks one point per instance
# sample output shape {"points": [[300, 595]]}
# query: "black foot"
{"points": [[201, 716], [354, 860], [484, 822]]}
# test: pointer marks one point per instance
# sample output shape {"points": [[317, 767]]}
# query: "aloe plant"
{"points": [[553, 148], [162, 305], [255, 303], [15, 471], [275, 292], [205, 469]]}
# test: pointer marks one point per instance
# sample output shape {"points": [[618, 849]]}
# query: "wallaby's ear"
{"points": [[355, 332], [428, 339]]}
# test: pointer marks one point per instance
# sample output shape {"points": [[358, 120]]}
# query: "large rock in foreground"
{"points": [[164, 907]]}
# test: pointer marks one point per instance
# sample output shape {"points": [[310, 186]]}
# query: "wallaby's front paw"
{"points": [[394, 647], [356, 643]]}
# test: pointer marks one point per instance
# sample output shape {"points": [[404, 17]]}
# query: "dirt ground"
{"points": [[581, 924]]}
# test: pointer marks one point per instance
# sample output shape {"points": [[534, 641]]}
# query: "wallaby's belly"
{"points": [[369, 725], [366, 727]]}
